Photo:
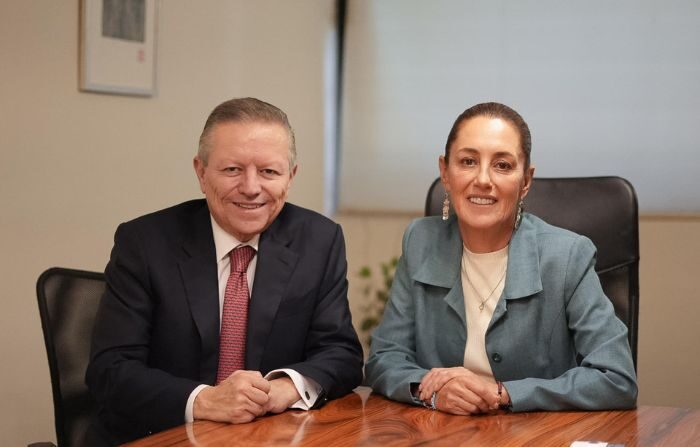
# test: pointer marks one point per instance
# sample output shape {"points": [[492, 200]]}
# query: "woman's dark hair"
{"points": [[494, 110]]}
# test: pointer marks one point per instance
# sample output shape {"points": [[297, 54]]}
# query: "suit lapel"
{"points": [[276, 262], [199, 277]]}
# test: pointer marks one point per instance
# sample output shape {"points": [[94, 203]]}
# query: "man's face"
{"points": [[247, 175]]}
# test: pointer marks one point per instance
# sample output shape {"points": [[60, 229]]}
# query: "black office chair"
{"points": [[68, 301], [605, 210]]}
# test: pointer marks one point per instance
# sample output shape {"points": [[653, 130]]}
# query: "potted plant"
{"points": [[376, 294]]}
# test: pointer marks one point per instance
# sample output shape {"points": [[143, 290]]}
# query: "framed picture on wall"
{"points": [[118, 46]]}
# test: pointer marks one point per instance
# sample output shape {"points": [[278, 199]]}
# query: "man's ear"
{"points": [[199, 169]]}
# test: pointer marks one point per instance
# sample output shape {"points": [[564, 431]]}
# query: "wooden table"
{"points": [[364, 419]]}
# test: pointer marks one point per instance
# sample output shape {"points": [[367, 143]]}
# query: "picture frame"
{"points": [[118, 46]]}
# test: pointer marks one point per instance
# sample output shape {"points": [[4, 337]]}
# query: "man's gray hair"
{"points": [[245, 110]]}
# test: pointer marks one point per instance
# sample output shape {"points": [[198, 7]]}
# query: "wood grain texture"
{"points": [[364, 419]]}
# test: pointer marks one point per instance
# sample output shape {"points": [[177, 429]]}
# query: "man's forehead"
{"points": [[228, 134], [238, 125]]}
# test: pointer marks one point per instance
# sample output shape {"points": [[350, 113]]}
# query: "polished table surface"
{"points": [[364, 419]]}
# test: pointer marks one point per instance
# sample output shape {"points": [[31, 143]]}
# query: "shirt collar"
{"points": [[225, 242]]}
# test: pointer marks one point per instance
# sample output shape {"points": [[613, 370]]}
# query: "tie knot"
{"points": [[240, 258]]}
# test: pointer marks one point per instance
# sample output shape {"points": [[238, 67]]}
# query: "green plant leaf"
{"points": [[374, 308]]}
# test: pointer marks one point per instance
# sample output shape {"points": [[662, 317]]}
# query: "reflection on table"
{"points": [[365, 419]]}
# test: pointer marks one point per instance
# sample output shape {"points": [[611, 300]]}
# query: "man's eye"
{"points": [[270, 172], [231, 169]]}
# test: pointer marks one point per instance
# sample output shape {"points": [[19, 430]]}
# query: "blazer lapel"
{"points": [[276, 262], [199, 277], [523, 275], [442, 266]]}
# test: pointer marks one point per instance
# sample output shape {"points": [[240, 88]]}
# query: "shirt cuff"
{"points": [[307, 388], [189, 408]]}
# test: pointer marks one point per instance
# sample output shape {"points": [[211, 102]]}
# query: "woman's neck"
{"points": [[479, 240]]}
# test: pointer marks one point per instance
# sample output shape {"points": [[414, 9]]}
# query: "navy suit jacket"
{"points": [[156, 337]]}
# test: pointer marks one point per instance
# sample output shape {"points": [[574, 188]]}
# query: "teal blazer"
{"points": [[554, 340]]}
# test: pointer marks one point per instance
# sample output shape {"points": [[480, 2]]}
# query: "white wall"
{"points": [[607, 87], [74, 165]]}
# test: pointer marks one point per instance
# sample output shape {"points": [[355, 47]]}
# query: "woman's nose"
{"points": [[483, 177]]}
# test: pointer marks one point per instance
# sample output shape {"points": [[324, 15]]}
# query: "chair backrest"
{"points": [[605, 210], [68, 301]]}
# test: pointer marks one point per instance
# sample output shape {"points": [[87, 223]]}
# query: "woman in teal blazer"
{"points": [[550, 342]]}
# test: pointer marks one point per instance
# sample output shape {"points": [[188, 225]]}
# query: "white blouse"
{"points": [[483, 280]]}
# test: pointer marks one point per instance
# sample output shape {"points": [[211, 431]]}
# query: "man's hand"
{"points": [[282, 394], [240, 398], [460, 391]]}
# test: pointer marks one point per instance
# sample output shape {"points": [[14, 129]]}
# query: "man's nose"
{"points": [[250, 184]]}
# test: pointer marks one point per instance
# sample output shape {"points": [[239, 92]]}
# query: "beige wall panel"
{"points": [[669, 332]]}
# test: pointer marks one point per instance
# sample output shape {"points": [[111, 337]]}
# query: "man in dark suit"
{"points": [[156, 345]]}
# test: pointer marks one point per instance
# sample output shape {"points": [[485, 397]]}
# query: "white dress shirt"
{"points": [[307, 388]]}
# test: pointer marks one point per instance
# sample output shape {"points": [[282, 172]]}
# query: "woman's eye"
{"points": [[503, 165], [468, 162]]}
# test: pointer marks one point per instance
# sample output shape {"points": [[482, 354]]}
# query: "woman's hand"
{"points": [[437, 378], [460, 391]]}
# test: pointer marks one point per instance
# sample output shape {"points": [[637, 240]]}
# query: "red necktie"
{"points": [[234, 318]]}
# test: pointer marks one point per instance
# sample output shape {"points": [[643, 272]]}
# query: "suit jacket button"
{"points": [[496, 357]]}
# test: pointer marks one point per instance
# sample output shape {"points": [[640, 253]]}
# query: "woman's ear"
{"points": [[529, 174], [442, 164]]}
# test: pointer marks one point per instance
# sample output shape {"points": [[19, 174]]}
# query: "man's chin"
{"points": [[248, 230]]}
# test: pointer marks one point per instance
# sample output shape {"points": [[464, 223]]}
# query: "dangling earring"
{"points": [[519, 215], [446, 207]]}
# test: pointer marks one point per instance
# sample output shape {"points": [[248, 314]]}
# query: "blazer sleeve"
{"points": [[392, 364], [332, 352], [136, 399], [604, 377]]}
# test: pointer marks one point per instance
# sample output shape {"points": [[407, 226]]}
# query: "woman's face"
{"points": [[485, 178]]}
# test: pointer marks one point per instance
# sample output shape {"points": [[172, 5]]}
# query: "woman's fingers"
{"points": [[459, 391], [436, 379]]}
